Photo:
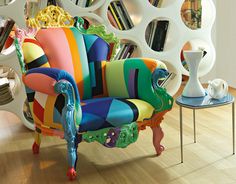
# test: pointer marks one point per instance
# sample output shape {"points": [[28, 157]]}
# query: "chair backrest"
{"points": [[71, 48]]}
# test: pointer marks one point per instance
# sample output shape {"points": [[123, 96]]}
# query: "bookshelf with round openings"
{"points": [[142, 13]]}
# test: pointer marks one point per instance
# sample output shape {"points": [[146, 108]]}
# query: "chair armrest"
{"points": [[136, 78], [52, 81], [44, 79]]}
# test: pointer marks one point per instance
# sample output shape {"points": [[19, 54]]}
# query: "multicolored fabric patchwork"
{"points": [[135, 80], [45, 113], [113, 112], [97, 76], [97, 53], [66, 50], [97, 49]]}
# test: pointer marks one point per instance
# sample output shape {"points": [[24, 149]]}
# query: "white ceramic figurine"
{"points": [[217, 88]]}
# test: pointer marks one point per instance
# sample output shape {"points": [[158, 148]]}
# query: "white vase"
{"points": [[193, 87]]}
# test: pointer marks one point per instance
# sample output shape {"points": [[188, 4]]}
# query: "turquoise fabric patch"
{"points": [[119, 113]]}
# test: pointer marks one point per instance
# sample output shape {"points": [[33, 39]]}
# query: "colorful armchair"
{"points": [[75, 92]]}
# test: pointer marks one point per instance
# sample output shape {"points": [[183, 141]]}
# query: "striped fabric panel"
{"points": [[98, 82], [82, 59], [43, 111], [34, 55], [65, 49]]}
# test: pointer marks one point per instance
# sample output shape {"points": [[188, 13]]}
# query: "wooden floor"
{"points": [[210, 160]]}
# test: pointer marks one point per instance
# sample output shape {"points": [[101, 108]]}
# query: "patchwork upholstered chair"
{"points": [[75, 93]]}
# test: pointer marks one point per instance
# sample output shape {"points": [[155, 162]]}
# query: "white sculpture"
{"points": [[217, 88], [193, 87]]}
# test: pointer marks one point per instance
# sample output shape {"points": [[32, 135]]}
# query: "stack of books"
{"points": [[5, 32], [156, 34], [156, 3], [119, 16], [191, 13], [125, 51], [5, 91], [83, 3]]}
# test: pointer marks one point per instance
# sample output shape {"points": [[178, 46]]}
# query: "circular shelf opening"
{"points": [[83, 3], [161, 34], [161, 3], [7, 35], [124, 15], [173, 81], [9, 84], [208, 56], [197, 14], [4, 3], [127, 49]]}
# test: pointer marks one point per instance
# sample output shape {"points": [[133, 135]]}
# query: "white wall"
{"points": [[212, 74], [225, 42]]}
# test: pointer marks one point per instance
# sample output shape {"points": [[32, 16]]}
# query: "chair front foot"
{"points": [[71, 173], [158, 135], [35, 148]]}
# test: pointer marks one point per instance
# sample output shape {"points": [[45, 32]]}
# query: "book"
{"points": [[122, 17], [160, 35], [115, 12], [6, 32], [152, 33], [115, 17], [125, 13], [111, 19], [130, 52]]}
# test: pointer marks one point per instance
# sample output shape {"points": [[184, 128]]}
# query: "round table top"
{"points": [[203, 102]]}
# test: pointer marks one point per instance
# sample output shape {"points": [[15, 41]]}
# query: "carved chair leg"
{"points": [[72, 145], [37, 142], [158, 135]]}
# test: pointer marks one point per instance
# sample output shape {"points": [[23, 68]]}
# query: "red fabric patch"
{"points": [[38, 110], [31, 40]]}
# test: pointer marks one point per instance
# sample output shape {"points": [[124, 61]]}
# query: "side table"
{"points": [[201, 103]]}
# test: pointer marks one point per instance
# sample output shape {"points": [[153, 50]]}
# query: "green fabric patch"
{"points": [[116, 84]]}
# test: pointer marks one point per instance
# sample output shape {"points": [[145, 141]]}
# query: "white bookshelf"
{"points": [[141, 13]]}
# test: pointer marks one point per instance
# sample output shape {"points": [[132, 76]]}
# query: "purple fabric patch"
{"points": [[132, 84]]}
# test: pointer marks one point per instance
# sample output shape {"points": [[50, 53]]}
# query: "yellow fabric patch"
{"points": [[145, 109], [31, 51]]}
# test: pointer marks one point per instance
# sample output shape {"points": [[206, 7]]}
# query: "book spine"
{"points": [[121, 15], [126, 13], [125, 52], [7, 29], [111, 19], [160, 35], [115, 17]]}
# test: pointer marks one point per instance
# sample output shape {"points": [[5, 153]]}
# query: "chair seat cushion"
{"points": [[106, 112]]}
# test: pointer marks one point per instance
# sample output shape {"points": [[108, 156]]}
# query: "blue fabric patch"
{"points": [[106, 112], [98, 51], [91, 122], [119, 113], [89, 40]]}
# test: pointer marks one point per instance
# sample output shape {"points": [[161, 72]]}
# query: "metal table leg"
{"points": [[194, 126], [233, 127], [181, 134]]}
